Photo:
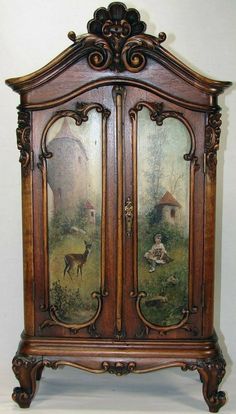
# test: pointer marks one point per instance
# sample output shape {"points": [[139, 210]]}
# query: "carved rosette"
{"points": [[212, 140], [23, 139], [117, 39], [119, 368]]}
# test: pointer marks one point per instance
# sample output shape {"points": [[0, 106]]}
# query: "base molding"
{"points": [[119, 358]]}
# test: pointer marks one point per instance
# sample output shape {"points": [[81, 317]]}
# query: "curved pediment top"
{"points": [[116, 40]]}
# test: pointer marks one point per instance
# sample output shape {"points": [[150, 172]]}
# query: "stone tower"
{"points": [[67, 170]]}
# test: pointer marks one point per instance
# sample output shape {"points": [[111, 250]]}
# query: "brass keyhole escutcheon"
{"points": [[129, 216]]}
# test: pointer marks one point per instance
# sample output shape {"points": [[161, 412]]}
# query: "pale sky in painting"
{"points": [[176, 142]]}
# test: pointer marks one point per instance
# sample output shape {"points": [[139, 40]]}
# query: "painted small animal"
{"points": [[75, 230], [78, 259], [172, 280], [156, 301]]}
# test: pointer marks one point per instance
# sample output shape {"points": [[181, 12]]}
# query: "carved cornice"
{"points": [[116, 40], [116, 35], [123, 81], [23, 140], [212, 140]]}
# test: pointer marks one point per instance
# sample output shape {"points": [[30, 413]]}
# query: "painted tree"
{"points": [[154, 173], [175, 178]]}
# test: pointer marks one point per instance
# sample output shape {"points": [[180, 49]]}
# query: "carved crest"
{"points": [[117, 39]]}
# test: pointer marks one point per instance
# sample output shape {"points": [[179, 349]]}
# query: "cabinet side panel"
{"points": [[209, 252], [212, 135], [28, 251]]}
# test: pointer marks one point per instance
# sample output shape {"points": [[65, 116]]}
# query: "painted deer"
{"points": [[79, 259]]}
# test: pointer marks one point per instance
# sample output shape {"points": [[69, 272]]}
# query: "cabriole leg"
{"points": [[211, 373], [27, 370], [39, 373]]}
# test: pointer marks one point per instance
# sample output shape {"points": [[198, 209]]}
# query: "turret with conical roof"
{"points": [[67, 169], [169, 209]]}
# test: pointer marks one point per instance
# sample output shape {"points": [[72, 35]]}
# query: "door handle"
{"points": [[129, 216]]}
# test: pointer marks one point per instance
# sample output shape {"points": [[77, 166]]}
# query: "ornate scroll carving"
{"points": [[211, 371], [23, 140], [26, 370], [137, 48], [119, 368], [74, 327], [212, 140], [80, 115], [158, 115], [56, 364], [162, 330], [117, 39]]}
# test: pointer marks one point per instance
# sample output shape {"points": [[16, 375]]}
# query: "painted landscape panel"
{"points": [[163, 218], [74, 185]]}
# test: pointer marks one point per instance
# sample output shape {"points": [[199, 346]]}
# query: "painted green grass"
{"points": [[72, 296], [154, 284]]}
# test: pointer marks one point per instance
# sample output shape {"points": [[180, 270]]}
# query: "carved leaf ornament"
{"points": [[23, 139], [116, 37]]}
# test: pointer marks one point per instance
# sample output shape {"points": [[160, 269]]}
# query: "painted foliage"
{"points": [[74, 187], [163, 218]]}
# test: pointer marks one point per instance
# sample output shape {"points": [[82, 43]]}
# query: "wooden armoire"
{"points": [[118, 145]]}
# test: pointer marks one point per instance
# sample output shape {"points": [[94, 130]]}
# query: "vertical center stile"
{"points": [[118, 96]]}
